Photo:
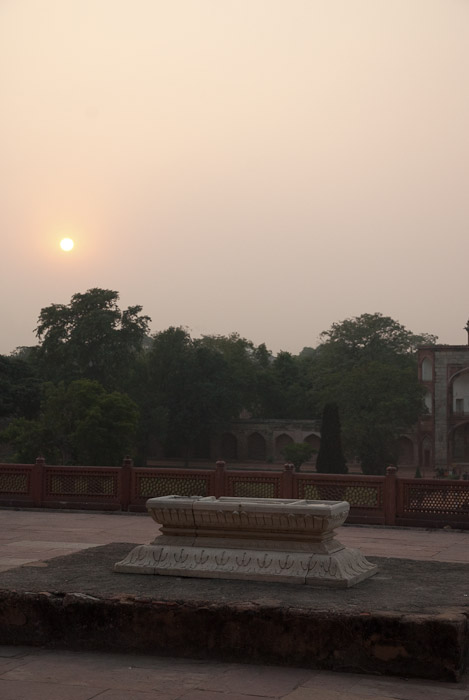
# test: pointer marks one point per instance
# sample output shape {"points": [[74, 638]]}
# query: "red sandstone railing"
{"points": [[374, 500]]}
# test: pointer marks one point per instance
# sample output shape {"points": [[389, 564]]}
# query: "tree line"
{"points": [[97, 385]]}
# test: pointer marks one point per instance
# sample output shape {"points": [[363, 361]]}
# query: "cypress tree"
{"points": [[331, 458]]}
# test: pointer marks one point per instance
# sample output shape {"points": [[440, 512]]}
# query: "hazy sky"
{"points": [[260, 166]]}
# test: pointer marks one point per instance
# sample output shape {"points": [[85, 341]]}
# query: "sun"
{"points": [[66, 244]]}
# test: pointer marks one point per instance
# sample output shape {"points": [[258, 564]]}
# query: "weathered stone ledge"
{"points": [[424, 646], [400, 622]]}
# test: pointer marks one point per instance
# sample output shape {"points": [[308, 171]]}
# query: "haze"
{"points": [[260, 166]]}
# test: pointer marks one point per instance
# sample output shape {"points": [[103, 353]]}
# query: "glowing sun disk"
{"points": [[66, 244]]}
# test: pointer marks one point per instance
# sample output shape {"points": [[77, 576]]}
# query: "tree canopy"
{"points": [[90, 338], [367, 335], [190, 380], [19, 388], [95, 364], [80, 423], [367, 366]]}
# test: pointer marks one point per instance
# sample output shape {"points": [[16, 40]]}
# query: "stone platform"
{"points": [[398, 622]]}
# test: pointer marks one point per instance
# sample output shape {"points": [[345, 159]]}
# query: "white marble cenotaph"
{"points": [[257, 539]]}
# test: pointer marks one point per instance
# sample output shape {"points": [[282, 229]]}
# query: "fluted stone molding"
{"points": [[258, 539]]}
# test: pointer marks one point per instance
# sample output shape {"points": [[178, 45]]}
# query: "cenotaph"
{"points": [[255, 539]]}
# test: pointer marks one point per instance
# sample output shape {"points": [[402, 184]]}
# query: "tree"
{"points": [[306, 353], [19, 388], [244, 363], [106, 432], [374, 333], [284, 393], [90, 338], [191, 383], [297, 453], [283, 388], [80, 423], [367, 366], [331, 458], [266, 386]]}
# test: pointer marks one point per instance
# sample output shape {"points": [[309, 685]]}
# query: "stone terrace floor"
{"points": [[29, 537]]}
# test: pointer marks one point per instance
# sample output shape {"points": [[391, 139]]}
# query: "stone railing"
{"points": [[374, 500]]}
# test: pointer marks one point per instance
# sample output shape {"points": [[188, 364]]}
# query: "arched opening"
{"points": [[460, 443], [315, 442], [280, 443], [405, 451], [460, 392], [427, 370], [229, 446], [256, 447]]}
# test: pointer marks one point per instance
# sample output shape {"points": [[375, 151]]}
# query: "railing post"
{"points": [[219, 478], [287, 480], [126, 480], [390, 496], [37, 479]]}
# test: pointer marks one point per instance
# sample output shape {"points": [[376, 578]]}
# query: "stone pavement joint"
{"points": [[43, 674]]}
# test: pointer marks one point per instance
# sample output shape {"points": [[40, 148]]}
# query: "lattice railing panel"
{"points": [[309, 491], [363, 496], [444, 499], [253, 487], [357, 494], [76, 484], [14, 482], [153, 486]]}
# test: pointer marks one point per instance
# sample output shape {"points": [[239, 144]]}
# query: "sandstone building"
{"points": [[443, 433], [264, 440]]}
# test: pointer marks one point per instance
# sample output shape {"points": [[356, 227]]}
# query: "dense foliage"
{"points": [[190, 383], [368, 367], [97, 386], [20, 388], [79, 423], [331, 459], [297, 453], [90, 338]]}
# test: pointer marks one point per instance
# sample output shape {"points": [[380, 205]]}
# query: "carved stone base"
{"points": [[255, 539], [341, 569]]}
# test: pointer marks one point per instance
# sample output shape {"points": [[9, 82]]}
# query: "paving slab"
{"points": [[402, 621], [92, 529], [53, 674]]}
